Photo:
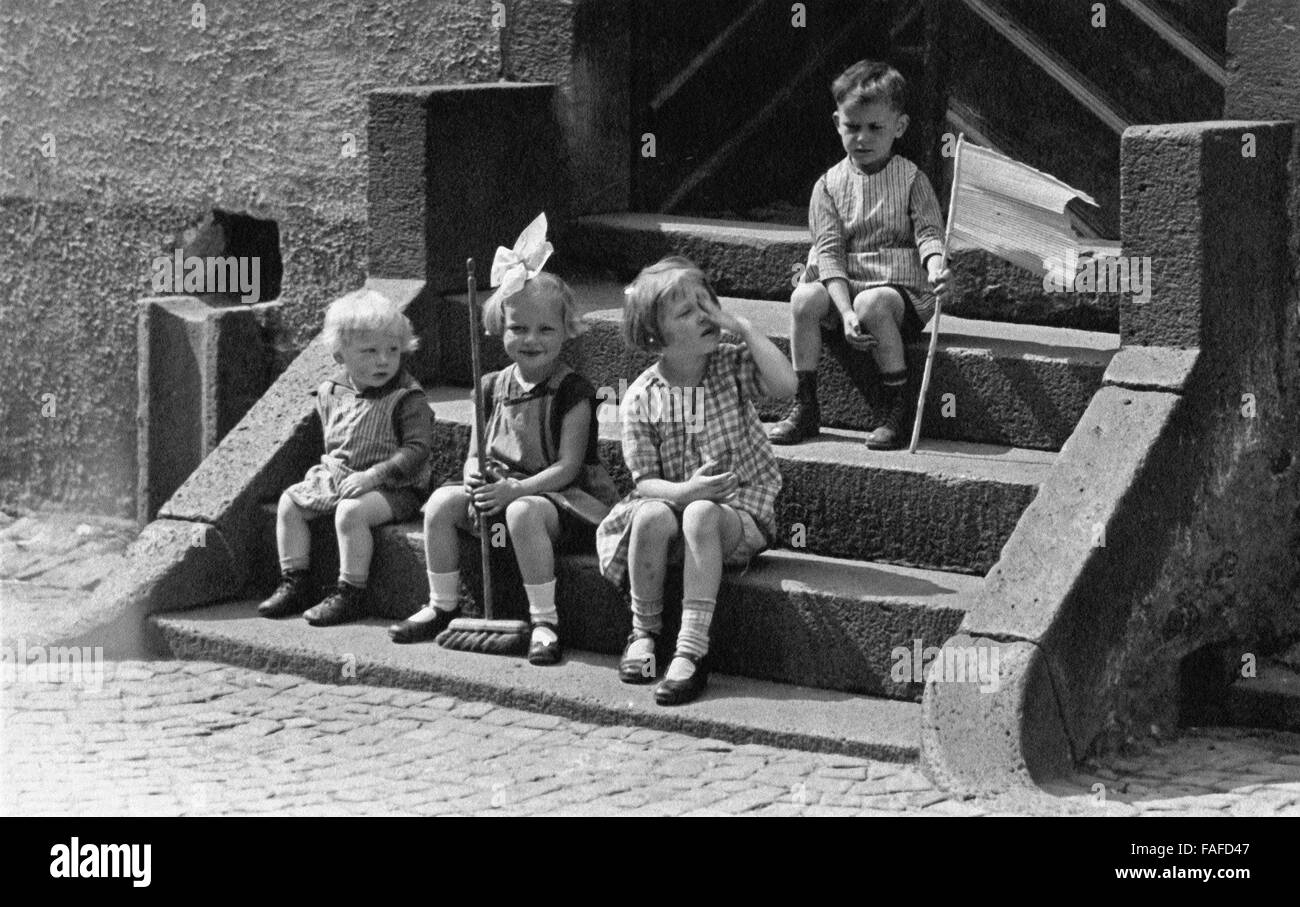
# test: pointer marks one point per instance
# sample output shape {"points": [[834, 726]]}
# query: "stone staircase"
{"points": [[845, 588], [1093, 512]]}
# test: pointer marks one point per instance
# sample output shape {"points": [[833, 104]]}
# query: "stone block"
{"points": [[1206, 202], [270, 449], [443, 185], [585, 49], [201, 367], [976, 739]]}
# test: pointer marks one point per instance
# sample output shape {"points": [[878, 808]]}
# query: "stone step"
{"points": [[584, 687], [994, 383], [741, 258], [951, 506], [791, 617], [1271, 699], [761, 260]]}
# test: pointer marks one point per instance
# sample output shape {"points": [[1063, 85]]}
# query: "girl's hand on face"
{"points": [[724, 320], [857, 338]]}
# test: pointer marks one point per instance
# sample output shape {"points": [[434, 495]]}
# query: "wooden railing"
{"points": [[1065, 75], [1179, 39]]}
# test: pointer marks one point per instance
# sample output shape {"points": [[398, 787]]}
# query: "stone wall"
{"points": [[154, 122]]}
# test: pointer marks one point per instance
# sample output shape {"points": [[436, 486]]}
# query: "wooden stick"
{"points": [[476, 367], [938, 302]]}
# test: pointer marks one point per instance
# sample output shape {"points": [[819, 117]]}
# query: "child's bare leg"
{"points": [[709, 530], [534, 526], [292, 536], [293, 541], [446, 510], [353, 521], [654, 528], [808, 305], [880, 310]]}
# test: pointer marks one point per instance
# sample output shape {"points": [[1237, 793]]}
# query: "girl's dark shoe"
{"points": [[348, 603], [413, 631], [291, 597], [639, 669], [545, 653], [679, 692]]}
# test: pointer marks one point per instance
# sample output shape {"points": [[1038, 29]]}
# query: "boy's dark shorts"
{"points": [[912, 328]]}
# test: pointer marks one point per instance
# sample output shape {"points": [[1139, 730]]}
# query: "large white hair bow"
{"points": [[512, 268]]}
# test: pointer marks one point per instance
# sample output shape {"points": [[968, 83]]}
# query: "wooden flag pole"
{"points": [[938, 302]]}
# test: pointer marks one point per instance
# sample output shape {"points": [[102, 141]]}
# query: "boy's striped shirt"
{"points": [[875, 229]]}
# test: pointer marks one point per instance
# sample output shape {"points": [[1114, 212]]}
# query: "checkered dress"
{"points": [[730, 434]]}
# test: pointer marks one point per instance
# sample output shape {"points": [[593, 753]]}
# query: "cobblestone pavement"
{"points": [[48, 561], [195, 738], [167, 737]]}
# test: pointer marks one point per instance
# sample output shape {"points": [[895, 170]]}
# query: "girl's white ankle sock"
{"points": [[541, 609], [444, 595]]}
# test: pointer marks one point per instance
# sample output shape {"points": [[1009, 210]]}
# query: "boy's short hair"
{"points": [[868, 81], [366, 310], [544, 286], [663, 282]]}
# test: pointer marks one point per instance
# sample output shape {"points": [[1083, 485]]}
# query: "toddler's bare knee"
{"points": [[348, 515]]}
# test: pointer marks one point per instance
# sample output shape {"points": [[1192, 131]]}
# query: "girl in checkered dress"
{"points": [[706, 482], [378, 432]]}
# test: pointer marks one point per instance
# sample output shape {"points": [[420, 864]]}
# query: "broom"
{"points": [[471, 634]]}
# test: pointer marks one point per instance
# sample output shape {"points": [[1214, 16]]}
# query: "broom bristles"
{"points": [[491, 637]]}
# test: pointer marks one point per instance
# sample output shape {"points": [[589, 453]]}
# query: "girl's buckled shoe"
{"points": [[679, 692], [545, 653], [642, 668], [409, 631]]}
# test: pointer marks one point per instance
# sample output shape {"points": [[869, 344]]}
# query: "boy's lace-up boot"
{"points": [[804, 419], [888, 435]]}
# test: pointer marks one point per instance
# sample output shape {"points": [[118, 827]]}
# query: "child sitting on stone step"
{"points": [[544, 477], [378, 434], [874, 268], [705, 488]]}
